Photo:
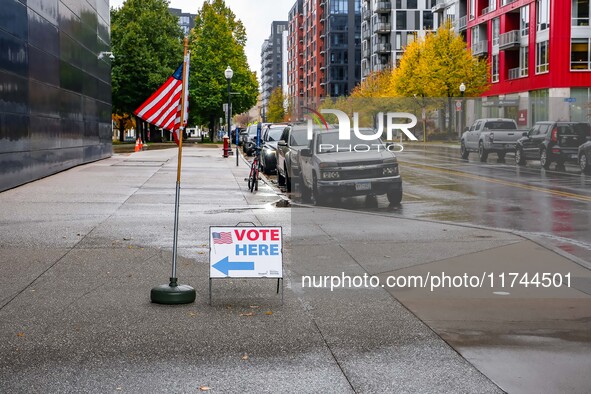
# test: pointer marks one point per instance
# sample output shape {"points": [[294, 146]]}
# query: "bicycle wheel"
{"points": [[256, 179], [251, 177]]}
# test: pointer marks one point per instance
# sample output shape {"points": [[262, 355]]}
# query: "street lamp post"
{"points": [[229, 74], [462, 91]]}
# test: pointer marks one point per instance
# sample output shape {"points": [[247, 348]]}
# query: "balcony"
{"points": [[463, 23], [485, 10], [365, 34], [510, 40], [366, 14], [322, 3], [382, 27], [383, 47], [365, 53], [383, 7], [480, 48], [439, 5]]}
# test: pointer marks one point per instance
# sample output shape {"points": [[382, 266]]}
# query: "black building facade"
{"points": [[55, 91], [343, 46]]}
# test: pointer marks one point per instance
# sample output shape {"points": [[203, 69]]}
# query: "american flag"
{"points": [[222, 238], [163, 108]]}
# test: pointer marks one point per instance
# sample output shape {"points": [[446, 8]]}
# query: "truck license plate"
{"points": [[363, 186], [574, 156]]}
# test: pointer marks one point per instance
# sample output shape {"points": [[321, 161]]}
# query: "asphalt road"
{"points": [[552, 206]]}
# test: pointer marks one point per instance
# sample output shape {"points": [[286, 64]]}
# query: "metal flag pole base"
{"points": [[173, 293]]}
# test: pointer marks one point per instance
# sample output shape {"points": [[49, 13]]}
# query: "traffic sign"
{"points": [[245, 252], [570, 100]]}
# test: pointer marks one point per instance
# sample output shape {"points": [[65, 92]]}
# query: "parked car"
{"points": [[552, 142], [585, 157], [293, 139], [341, 171], [271, 136], [490, 136], [250, 141], [243, 136]]}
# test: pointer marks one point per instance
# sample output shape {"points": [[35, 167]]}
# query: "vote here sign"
{"points": [[245, 252]]}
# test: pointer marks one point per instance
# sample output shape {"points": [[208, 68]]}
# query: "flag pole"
{"points": [[173, 293]]}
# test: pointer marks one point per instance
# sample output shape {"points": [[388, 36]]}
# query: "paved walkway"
{"points": [[80, 251]]}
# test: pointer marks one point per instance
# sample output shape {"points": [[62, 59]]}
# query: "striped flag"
{"points": [[163, 108], [222, 238]]}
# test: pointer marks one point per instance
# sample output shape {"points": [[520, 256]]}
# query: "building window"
{"points": [[495, 68], [542, 57], [495, 31], [543, 14], [472, 9], [492, 5], [580, 12], [400, 20], [579, 54], [427, 20], [523, 61], [524, 21]]}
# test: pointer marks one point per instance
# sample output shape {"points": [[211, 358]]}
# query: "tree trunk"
{"points": [[121, 130], [211, 127]]}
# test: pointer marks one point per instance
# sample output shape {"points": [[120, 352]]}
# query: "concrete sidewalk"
{"points": [[80, 251]]}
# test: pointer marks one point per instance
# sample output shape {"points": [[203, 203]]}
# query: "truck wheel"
{"points": [[464, 152], [394, 197], [318, 199], [287, 181], [305, 192], [280, 179], [584, 164], [544, 160], [482, 153], [519, 157]]}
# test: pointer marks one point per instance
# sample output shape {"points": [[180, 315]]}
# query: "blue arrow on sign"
{"points": [[225, 265]]}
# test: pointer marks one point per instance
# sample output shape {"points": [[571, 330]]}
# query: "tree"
{"points": [[123, 122], [377, 84], [276, 111], [216, 42], [147, 44], [436, 66]]}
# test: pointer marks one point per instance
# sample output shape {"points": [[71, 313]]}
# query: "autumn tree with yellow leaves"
{"points": [[436, 66]]}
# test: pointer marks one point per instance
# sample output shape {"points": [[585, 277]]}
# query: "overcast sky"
{"points": [[256, 15]]}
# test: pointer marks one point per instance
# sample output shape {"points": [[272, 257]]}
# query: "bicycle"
{"points": [[253, 177]]}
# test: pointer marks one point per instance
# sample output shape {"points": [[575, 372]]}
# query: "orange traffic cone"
{"points": [[137, 145], [141, 144]]}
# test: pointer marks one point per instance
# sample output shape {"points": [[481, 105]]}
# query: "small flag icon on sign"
{"points": [[222, 238]]}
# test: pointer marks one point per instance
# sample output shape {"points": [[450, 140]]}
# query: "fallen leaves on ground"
{"points": [[204, 388], [20, 334], [245, 356], [247, 314], [269, 313]]}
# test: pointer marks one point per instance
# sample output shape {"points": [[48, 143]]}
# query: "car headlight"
{"points": [[390, 171], [269, 152], [331, 175]]}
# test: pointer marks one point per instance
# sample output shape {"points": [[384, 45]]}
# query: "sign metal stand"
{"points": [[271, 260]]}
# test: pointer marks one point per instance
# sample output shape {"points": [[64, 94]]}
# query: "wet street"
{"points": [[552, 206]]}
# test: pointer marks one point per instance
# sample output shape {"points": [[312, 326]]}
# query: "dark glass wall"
{"points": [[343, 46], [55, 94]]}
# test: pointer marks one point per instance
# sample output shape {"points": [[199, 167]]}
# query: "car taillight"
{"points": [[554, 135]]}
